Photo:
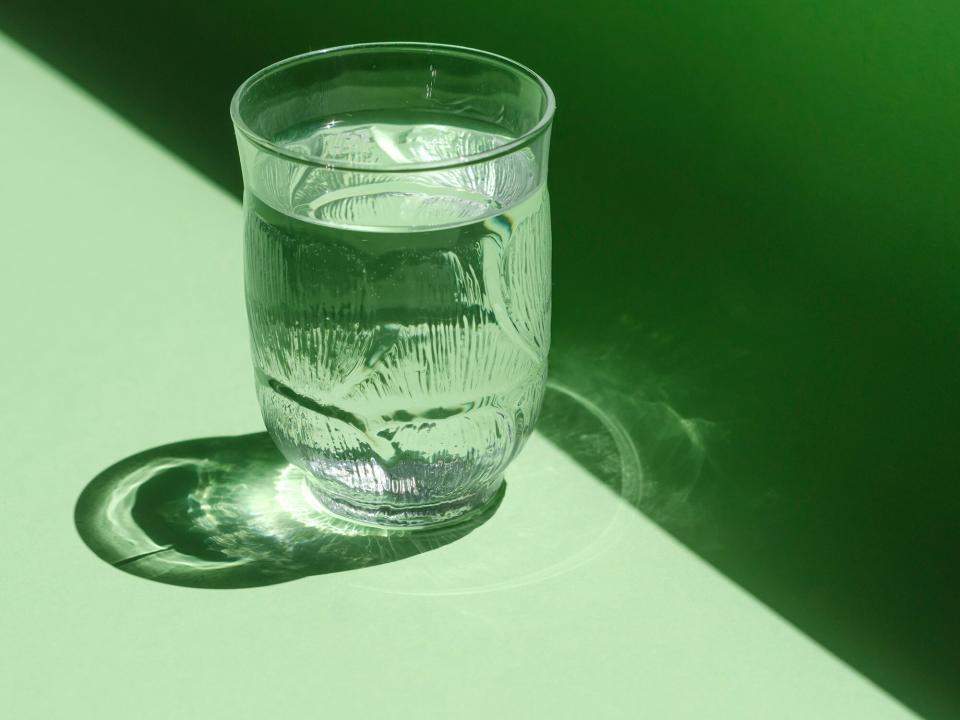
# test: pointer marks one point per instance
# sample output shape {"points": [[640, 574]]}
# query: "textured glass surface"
{"points": [[399, 305]]}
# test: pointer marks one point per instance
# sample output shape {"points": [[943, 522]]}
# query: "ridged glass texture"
{"points": [[399, 321]]}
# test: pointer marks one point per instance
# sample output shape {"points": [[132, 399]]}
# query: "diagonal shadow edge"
{"points": [[215, 170]]}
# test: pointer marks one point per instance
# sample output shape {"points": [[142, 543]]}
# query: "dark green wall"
{"points": [[756, 224]]}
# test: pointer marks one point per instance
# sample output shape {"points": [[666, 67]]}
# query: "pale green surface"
{"points": [[122, 298]]}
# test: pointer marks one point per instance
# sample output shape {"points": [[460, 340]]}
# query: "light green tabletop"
{"points": [[125, 330]]}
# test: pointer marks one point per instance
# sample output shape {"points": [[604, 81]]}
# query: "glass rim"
{"points": [[513, 145]]}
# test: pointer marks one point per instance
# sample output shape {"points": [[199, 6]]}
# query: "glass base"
{"points": [[430, 515]]}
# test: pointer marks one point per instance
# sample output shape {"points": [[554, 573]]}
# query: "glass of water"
{"points": [[397, 267]]}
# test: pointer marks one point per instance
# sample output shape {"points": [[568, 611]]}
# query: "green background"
{"points": [[756, 226]]}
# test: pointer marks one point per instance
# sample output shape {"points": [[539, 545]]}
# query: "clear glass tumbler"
{"points": [[397, 267]]}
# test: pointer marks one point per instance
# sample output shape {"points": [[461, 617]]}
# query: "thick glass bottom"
{"points": [[408, 516]]}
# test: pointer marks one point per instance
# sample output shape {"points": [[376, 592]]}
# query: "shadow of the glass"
{"points": [[231, 512]]}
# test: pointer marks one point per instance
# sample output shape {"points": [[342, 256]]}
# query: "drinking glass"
{"points": [[397, 270]]}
